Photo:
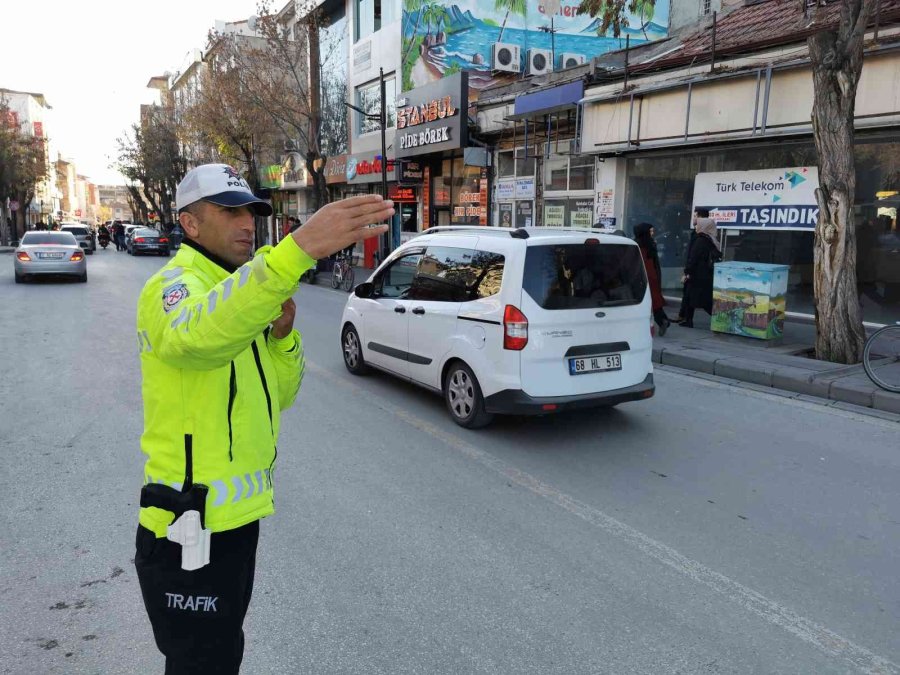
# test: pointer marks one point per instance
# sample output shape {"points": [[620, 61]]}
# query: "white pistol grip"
{"points": [[194, 540]]}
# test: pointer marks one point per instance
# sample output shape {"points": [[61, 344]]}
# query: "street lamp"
{"points": [[381, 117]]}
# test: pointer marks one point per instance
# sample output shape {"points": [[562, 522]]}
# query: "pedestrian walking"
{"points": [[682, 311], [644, 236], [698, 270], [220, 360]]}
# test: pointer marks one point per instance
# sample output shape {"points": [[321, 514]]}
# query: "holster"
{"points": [[169, 499]]}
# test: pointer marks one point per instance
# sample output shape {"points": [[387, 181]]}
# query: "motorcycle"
{"points": [[103, 239]]}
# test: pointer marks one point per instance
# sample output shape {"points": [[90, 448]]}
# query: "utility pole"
{"points": [[386, 243]]}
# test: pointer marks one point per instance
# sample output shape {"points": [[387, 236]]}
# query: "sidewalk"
{"points": [[786, 367], [6, 249]]}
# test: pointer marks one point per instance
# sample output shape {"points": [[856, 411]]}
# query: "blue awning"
{"points": [[552, 99]]}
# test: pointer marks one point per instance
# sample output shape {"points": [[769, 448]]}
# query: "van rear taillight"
{"points": [[515, 329]]}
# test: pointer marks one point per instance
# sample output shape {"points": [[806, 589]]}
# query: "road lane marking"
{"points": [[825, 640]]}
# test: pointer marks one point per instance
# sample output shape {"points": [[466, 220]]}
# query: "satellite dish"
{"points": [[551, 7], [251, 22]]}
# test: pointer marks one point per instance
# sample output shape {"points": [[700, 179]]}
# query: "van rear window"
{"points": [[582, 276]]}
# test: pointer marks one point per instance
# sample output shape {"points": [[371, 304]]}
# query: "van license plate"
{"points": [[595, 364]]}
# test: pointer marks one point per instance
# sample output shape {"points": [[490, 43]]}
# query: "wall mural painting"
{"points": [[502, 40]]}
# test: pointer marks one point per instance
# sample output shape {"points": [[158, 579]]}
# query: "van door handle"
{"points": [[419, 310], [400, 309]]}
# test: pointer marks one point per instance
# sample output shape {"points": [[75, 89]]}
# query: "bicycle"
{"points": [[881, 358], [342, 273]]}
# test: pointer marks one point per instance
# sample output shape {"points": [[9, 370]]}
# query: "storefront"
{"points": [[432, 130], [672, 131], [660, 190], [542, 181], [289, 187]]}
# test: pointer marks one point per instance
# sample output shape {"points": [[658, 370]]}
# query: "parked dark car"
{"points": [[147, 240]]}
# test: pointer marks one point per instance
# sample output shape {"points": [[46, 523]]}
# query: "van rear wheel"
{"points": [[463, 397]]}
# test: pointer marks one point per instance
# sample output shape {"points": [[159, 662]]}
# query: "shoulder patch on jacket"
{"points": [[173, 295]]}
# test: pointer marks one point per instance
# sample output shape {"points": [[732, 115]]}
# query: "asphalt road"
{"points": [[711, 529]]}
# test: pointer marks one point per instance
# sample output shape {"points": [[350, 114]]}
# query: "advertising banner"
{"points": [[771, 199], [525, 188], [506, 189], [506, 214], [433, 118], [581, 212], [554, 214]]}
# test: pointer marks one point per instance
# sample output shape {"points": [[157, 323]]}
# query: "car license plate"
{"points": [[595, 364], [53, 256]]}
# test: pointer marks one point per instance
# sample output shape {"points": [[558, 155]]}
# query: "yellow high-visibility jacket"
{"points": [[215, 379]]}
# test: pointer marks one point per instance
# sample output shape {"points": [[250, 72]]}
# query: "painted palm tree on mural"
{"points": [[614, 13], [433, 13], [411, 7], [516, 7]]}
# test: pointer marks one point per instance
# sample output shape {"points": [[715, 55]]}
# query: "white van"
{"points": [[527, 321]]}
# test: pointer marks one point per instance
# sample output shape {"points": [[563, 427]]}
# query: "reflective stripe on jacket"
{"points": [[215, 379]]}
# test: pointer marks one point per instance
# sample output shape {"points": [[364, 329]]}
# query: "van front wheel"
{"points": [[463, 397]]}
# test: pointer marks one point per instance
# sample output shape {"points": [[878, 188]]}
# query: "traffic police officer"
{"points": [[220, 360]]}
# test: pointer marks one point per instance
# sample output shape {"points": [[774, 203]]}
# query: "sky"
{"points": [[92, 60]]}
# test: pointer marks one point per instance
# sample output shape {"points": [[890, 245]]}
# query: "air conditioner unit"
{"points": [[538, 61], [569, 60], [505, 58]]}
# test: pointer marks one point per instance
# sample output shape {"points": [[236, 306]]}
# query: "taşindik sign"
{"points": [[771, 199], [433, 118]]}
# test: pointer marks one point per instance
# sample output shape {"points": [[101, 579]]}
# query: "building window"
{"points": [[506, 165], [368, 98], [705, 7], [524, 163], [371, 15], [564, 172]]}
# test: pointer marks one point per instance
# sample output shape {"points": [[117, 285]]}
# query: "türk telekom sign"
{"points": [[433, 118]]}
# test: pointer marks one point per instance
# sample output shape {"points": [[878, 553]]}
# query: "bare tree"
{"points": [[302, 94], [150, 156], [23, 165], [836, 55]]}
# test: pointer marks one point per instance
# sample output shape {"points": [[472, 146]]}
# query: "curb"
{"points": [[842, 385]]}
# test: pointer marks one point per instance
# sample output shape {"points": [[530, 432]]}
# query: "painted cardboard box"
{"points": [[749, 299]]}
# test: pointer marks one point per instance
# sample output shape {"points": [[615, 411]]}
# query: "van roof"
{"points": [[529, 233]]}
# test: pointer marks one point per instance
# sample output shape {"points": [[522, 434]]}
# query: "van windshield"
{"points": [[582, 276]]}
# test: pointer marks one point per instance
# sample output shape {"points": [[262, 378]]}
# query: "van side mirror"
{"points": [[364, 290]]}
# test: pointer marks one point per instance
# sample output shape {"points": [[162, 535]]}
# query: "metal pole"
{"points": [[552, 44], [386, 242], [713, 66], [627, 46]]}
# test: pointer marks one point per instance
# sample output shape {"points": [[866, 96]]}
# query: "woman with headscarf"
{"points": [[698, 271], [643, 235]]}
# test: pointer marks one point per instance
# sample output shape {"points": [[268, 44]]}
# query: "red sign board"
{"points": [[426, 202], [402, 194], [38, 129]]}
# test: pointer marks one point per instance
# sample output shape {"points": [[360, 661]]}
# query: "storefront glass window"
{"points": [[660, 191], [506, 164], [581, 172], [555, 172], [524, 162]]}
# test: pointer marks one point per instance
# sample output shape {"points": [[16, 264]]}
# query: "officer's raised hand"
{"points": [[337, 225]]}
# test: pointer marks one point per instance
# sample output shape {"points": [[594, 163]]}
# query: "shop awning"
{"points": [[550, 100]]}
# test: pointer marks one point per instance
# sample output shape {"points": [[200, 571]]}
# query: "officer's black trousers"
{"points": [[197, 616]]}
